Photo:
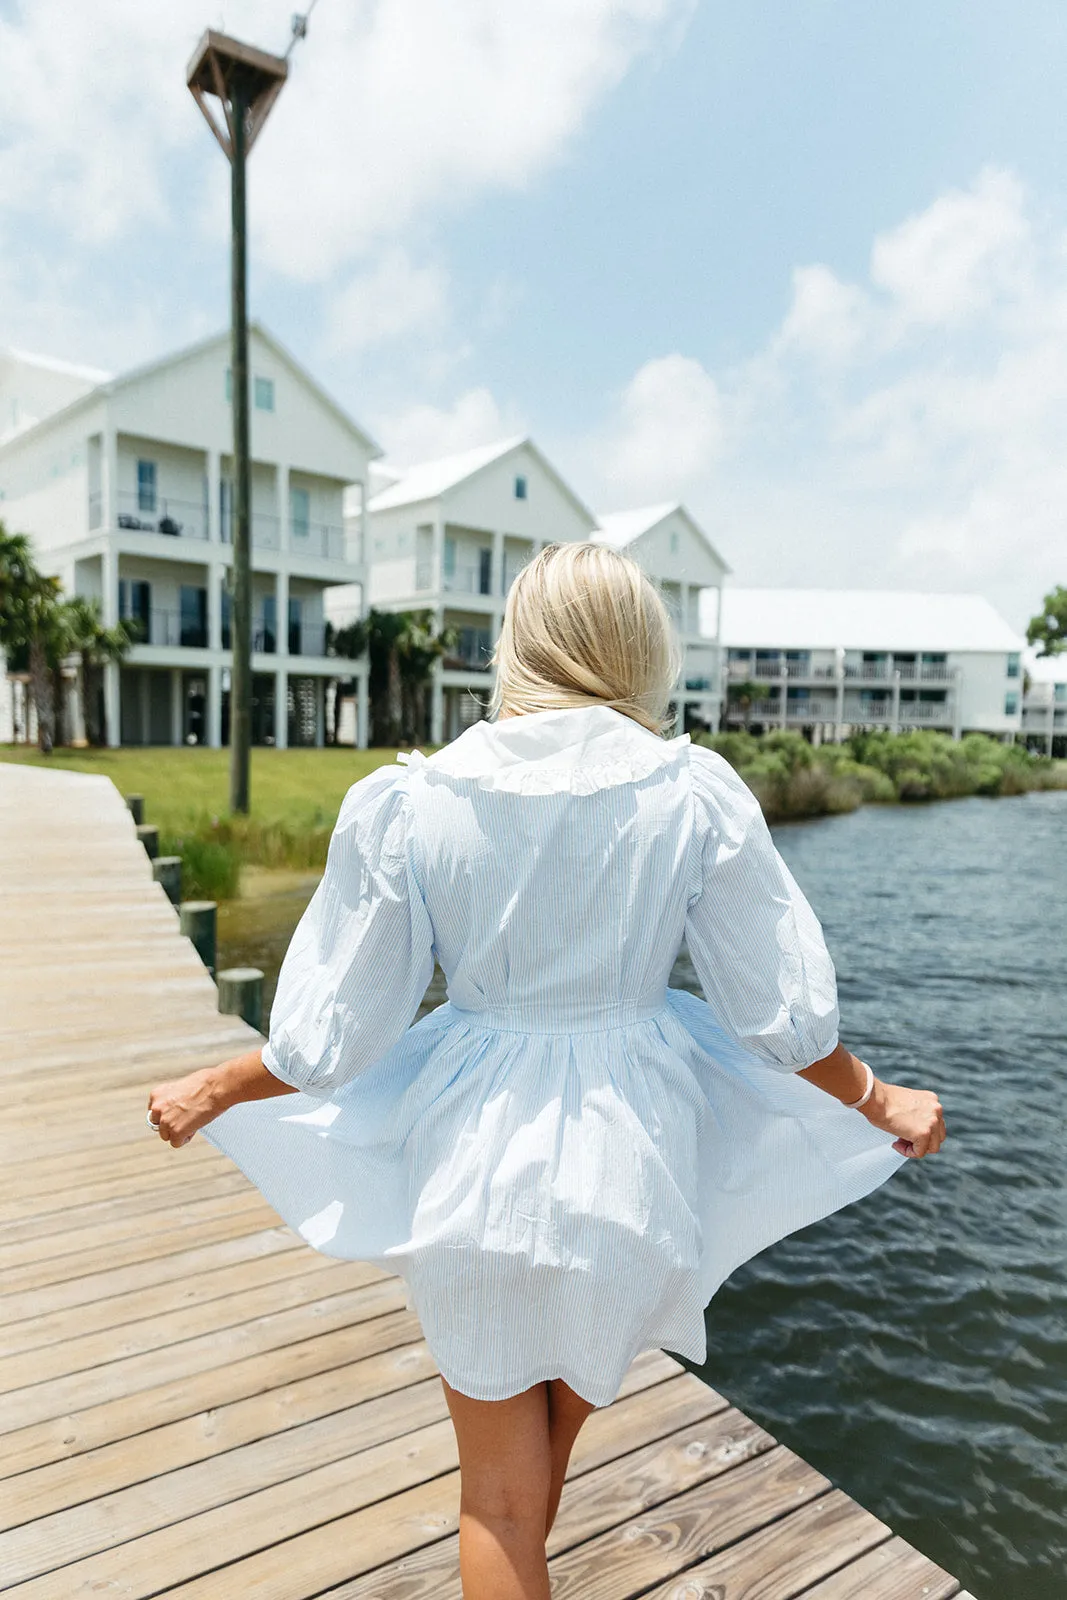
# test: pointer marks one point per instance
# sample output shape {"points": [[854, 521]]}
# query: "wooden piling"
{"points": [[148, 834], [241, 994], [167, 870], [198, 920], [135, 806]]}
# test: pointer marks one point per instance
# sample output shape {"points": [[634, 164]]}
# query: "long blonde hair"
{"points": [[584, 626]]}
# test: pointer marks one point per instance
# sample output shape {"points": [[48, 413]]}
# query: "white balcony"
{"points": [[173, 518]]}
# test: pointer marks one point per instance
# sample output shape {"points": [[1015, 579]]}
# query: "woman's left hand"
{"points": [[182, 1108]]}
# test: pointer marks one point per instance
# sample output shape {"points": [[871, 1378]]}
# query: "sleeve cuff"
{"points": [[276, 1070]]}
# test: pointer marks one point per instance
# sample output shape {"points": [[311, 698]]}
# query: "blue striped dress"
{"points": [[567, 1158]]}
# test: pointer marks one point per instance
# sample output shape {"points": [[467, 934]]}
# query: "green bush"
{"points": [[211, 869], [792, 778]]}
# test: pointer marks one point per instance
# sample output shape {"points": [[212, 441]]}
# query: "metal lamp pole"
{"points": [[242, 83]]}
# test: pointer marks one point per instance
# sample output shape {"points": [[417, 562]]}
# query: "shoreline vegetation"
{"points": [[793, 779], [296, 794]]}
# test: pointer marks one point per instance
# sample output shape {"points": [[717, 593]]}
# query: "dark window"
{"points": [[146, 486], [1013, 666], [485, 571], [263, 389], [193, 616], [935, 658], [266, 634], [296, 624], [227, 619], [135, 605], [520, 488], [1011, 705], [740, 655]]}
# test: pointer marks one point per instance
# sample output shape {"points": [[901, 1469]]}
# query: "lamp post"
{"points": [[235, 86]]}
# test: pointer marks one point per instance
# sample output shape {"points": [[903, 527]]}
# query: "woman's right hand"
{"points": [[914, 1115]]}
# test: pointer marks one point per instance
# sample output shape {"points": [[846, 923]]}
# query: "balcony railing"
{"points": [[176, 519], [265, 530], [468, 580], [326, 539], [170, 628], [309, 639], [424, 574]]}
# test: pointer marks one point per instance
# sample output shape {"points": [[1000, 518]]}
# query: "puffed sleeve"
{"points": [[362, 955], [753, 938]]}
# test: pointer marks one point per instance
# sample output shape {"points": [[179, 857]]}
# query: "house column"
{"points": [[214, 708], [177, 733], [214, 478], [783, 690], [281, 491], [362, 712], [281, 673], [894, 725], [957, 704], [110, 605], [839, 694], [437, 574], [109, 477]]}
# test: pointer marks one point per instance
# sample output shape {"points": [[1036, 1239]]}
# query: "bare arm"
{"points": [[182, 1108], [913, 1115]]}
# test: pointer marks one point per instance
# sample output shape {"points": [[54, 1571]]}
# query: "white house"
{"points": [[127, 491], [449, 536], [672, 547], [833, 660], [1045, 703], [32, 387]]}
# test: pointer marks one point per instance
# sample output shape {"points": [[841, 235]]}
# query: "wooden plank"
{"points": [[181, 1326], [891, 1571], [86, 1429], [118, 1380], [784, 1559]]}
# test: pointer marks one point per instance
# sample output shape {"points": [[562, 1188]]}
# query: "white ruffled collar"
{"points": [[576, 751]]}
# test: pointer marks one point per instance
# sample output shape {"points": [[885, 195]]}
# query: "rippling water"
{"points": [[914, 1347]]}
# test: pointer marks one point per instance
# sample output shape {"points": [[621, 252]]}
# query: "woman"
{"points": [[568, 1158]]}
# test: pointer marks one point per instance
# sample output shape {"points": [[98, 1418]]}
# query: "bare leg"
{"points": [[505, 1471], [566, 1413]]}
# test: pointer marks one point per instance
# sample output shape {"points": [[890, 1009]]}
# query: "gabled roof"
{"points": [[621, 528], [429, 480], [862, 619], [67, 369], [123, 380]]}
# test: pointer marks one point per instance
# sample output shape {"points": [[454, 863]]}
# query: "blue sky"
{"points": [[802, 264]]}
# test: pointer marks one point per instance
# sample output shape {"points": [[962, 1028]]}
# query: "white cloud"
{"points": [[668, 431], [425, 431], [393, 298], [905, 431]]}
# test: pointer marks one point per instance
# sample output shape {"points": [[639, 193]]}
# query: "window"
{"points": [[740, 655], [1013, 666], [266, 633], [1011, 705], [674, 544], [300, 512], [193, 618], [1061, 693], [227, 618], [135, 605], [485, 571], [520, 488], [228, 386], [450, 559], [146, 486], [296, 624], [263, 389]]}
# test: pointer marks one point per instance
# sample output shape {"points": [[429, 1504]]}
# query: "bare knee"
{"points": [[510, 1504]]}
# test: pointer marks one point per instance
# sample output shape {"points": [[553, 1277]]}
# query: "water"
{"points": [[914, 1347]]}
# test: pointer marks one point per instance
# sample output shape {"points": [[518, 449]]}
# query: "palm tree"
{"points": [[417, 648], [745, 695], [96, 647], [349, 643], [30, 625], [402, 647]]}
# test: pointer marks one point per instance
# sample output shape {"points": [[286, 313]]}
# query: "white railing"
{"points": [[467, 580], [176, 519]]}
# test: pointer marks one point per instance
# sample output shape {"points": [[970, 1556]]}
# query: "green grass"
{"points": [[296, 795]]}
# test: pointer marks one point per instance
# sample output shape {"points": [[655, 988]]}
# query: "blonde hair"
{"points": [[584, 626]]}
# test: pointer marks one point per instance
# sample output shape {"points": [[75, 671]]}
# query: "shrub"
{"points": [[211, 869]]}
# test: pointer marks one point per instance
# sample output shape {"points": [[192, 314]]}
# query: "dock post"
{"points": [[135, 806], [148, 834], [198, 920], [241, 994], [167, 870]]}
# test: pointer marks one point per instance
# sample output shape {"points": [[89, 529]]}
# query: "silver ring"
{"points": [[153, 1125]]}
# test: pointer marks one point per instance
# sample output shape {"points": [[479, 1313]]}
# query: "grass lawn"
{"points": [[296, 795]]}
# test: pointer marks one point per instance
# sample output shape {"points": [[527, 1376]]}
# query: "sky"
{"points": [[801, 264]]}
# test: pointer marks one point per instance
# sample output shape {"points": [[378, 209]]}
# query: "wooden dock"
{"points": [[195, 1404]]}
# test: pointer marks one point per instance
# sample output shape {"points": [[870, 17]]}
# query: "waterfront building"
{"points": [[831, 661], [449, 537], [672, 547], [126, 487], [1045, 703]]}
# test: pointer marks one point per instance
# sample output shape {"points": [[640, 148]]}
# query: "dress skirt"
{"points": [[558, 1202]]}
